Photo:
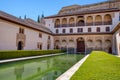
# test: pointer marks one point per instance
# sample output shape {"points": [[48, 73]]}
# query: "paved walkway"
{"points": [[118, 56], [25, 58], [68, 74]]}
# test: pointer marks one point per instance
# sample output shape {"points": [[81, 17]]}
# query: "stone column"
{"points": [[93, 20], [75, 21], [85, 40], [60, 22], [85, 19], [67, 22], [102, 19]]}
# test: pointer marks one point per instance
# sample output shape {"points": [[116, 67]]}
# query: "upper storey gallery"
{"points": [[100, 17]]}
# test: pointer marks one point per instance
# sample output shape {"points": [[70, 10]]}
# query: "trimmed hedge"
{"points": [[27, 53]]}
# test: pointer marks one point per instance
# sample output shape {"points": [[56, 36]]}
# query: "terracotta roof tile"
{"points": [[28, 23]]}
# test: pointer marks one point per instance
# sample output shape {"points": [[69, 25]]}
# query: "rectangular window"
{"points": [[89, 29], [48, 46], [49, 37], [80, 29], [40, 35], [98, 29], [71, 30], [119, 18], [64, 31], [107, 29], [21, 30], [57, 31], [39, 46]]}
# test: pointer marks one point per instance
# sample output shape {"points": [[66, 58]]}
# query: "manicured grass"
{"points": [[99, 66], [23, 53]]}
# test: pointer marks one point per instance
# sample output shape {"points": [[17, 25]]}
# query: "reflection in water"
{"points": [[48, 68], [18, 71]]}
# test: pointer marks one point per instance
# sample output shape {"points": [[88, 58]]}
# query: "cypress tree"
{"points": [[38, 20], [25, 17]]}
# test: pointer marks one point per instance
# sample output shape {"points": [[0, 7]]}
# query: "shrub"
{"points": [[26, 53]]}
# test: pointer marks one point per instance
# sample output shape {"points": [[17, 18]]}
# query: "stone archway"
{"points": [[20, 45], [80, 45], [108, 46]]}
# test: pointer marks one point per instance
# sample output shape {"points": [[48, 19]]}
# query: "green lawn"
{"points": [[99, 66]]}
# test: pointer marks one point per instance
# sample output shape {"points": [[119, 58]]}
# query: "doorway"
{"points": [[20, 45], [80, 45]]}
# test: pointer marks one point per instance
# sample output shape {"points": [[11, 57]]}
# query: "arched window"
{"points": [[98, 20], [71, 22], [81, 23], [64, 22], [107, 19], [89, 21], [57, 23]]}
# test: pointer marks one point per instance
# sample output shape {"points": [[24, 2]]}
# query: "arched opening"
{"points": [[57, 44], [71, 46], [98, 20], [89, 43], [98, 45], [81, 23], [57, 23], [64, 42], [71, 43], [108, 46], [64, 45], [48, 43], [71, 22], [64, 22], [80, 45], [107, 19], [89, 46], [20, 45], [48, 46], [89, 21]]}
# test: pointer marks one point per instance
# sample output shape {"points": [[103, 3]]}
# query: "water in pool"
{"points": [[47, 68]]}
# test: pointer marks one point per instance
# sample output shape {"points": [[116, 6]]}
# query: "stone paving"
{"points": [[25, 58], [68, 74]]}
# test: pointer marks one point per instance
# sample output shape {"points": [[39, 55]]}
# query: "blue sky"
{"points": [[33, 8]]}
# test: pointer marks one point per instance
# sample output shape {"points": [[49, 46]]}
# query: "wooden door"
{"points": [[80, 45]]}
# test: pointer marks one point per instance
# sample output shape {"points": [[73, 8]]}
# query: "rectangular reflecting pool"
{"points": [[47, 68]]}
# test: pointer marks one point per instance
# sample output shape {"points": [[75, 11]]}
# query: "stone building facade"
{"points": [[23, 34], [85, 28], [76, 29]]}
